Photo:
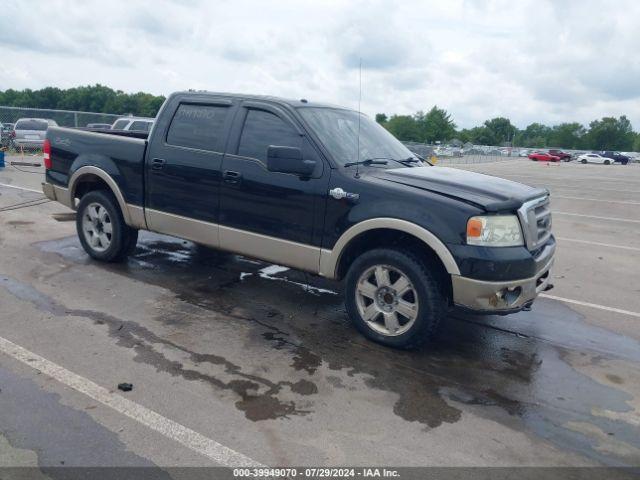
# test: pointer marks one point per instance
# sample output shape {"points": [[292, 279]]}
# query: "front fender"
{"points": [[330, 259]]}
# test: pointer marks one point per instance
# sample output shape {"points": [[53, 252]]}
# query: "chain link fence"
{"points": [[466, 154], [30, 141]]}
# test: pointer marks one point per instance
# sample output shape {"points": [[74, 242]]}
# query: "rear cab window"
{"points": [[120, 124], [198, 126]]}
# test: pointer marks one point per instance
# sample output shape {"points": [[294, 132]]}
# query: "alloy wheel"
{"points": [[387, 300], [97, 227]]}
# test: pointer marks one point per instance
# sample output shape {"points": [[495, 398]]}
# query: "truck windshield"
{"points": [[337, 129]]}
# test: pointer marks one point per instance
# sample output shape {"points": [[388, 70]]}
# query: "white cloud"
{"points": [[531, 61]]}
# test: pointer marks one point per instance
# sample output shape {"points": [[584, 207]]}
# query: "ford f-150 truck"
{"points": [[314, 187]]}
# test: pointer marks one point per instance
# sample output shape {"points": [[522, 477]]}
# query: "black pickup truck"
{"points": [[314, 187]]}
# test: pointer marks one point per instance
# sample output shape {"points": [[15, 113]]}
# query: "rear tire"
{"points": [[101, 228], [607, 162], [583, 161], [393, 298]]}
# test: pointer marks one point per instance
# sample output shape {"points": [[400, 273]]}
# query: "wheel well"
{"points": [[389, 238], [88, 183]]}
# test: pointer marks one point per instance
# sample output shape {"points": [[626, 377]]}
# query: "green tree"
{"points": [[404, 128], [381, 118], [534, 135], [477, 135], [436, 125], [567, 135], [90, 98], [610, 134], [636, 143], [482, 136], [501, 130]]}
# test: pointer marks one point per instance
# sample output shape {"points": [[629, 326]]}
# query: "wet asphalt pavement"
{"points": [[262, 359]]}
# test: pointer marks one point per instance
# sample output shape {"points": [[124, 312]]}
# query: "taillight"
{"points": [[46, 150]]}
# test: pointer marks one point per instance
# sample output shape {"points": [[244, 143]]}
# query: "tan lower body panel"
{"points": [[58, 194], [136, 217], [264, 247], [188, 228], [283, 252], [133, 214]]}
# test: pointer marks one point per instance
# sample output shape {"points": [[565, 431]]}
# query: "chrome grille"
{"points": [[535, 217]]}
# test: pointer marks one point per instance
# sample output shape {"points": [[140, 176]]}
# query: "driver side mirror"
{"points": [[288, 160]]}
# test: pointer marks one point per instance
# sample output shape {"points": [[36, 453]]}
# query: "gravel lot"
{"points": [[234, 360]]}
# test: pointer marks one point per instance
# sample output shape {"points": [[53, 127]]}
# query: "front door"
{"points": [[270, 215]]}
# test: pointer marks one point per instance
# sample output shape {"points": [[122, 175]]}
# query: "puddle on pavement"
{"points": [[505, 371]]}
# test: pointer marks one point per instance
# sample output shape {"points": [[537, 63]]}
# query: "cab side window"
{"points": [[198, 126], [262, 129]]}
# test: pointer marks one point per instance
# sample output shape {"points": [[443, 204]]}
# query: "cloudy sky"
{"points": [[528, 60]]}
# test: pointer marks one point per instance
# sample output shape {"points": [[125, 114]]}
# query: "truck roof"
{"points": [[301, 102]]}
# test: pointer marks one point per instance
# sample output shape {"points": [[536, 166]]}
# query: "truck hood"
{"points": [[493, 194]]}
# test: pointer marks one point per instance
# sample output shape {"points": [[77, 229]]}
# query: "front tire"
{"points": [[607, 162], [584, 161], [393, 298], [101, 228]]}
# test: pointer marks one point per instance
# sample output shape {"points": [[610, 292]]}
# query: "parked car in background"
{"points": [[616, 156], [6, 134], [473, 151], [99, 126], [560, 154], [594, 158], [523, 153], [137, 124], [444, 151], [543, 157], [31, 132]]}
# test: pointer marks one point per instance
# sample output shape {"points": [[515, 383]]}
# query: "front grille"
{"points": [[535, 217]]}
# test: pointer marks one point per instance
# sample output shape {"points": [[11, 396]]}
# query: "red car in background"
{"points": [[543, 157], [559, 153]]}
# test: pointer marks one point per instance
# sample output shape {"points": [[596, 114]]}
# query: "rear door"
{"points": [[270, 215], [183, 170]]}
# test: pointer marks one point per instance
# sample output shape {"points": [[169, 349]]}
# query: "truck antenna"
{"points": [[359, 103]]}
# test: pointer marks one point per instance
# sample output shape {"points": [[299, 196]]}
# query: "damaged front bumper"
{"points": [[503, 297]]}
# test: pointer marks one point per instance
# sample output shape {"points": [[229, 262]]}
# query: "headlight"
{"points": [[494, 231]]}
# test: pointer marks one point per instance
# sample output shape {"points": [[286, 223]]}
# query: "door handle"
{"points": [[158, 163], [231, 177]]}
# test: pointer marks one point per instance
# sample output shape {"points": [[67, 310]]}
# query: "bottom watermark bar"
{"points": [[398, 473]]}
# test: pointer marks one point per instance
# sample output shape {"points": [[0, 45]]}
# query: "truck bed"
{"points": [[121, 156]]}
